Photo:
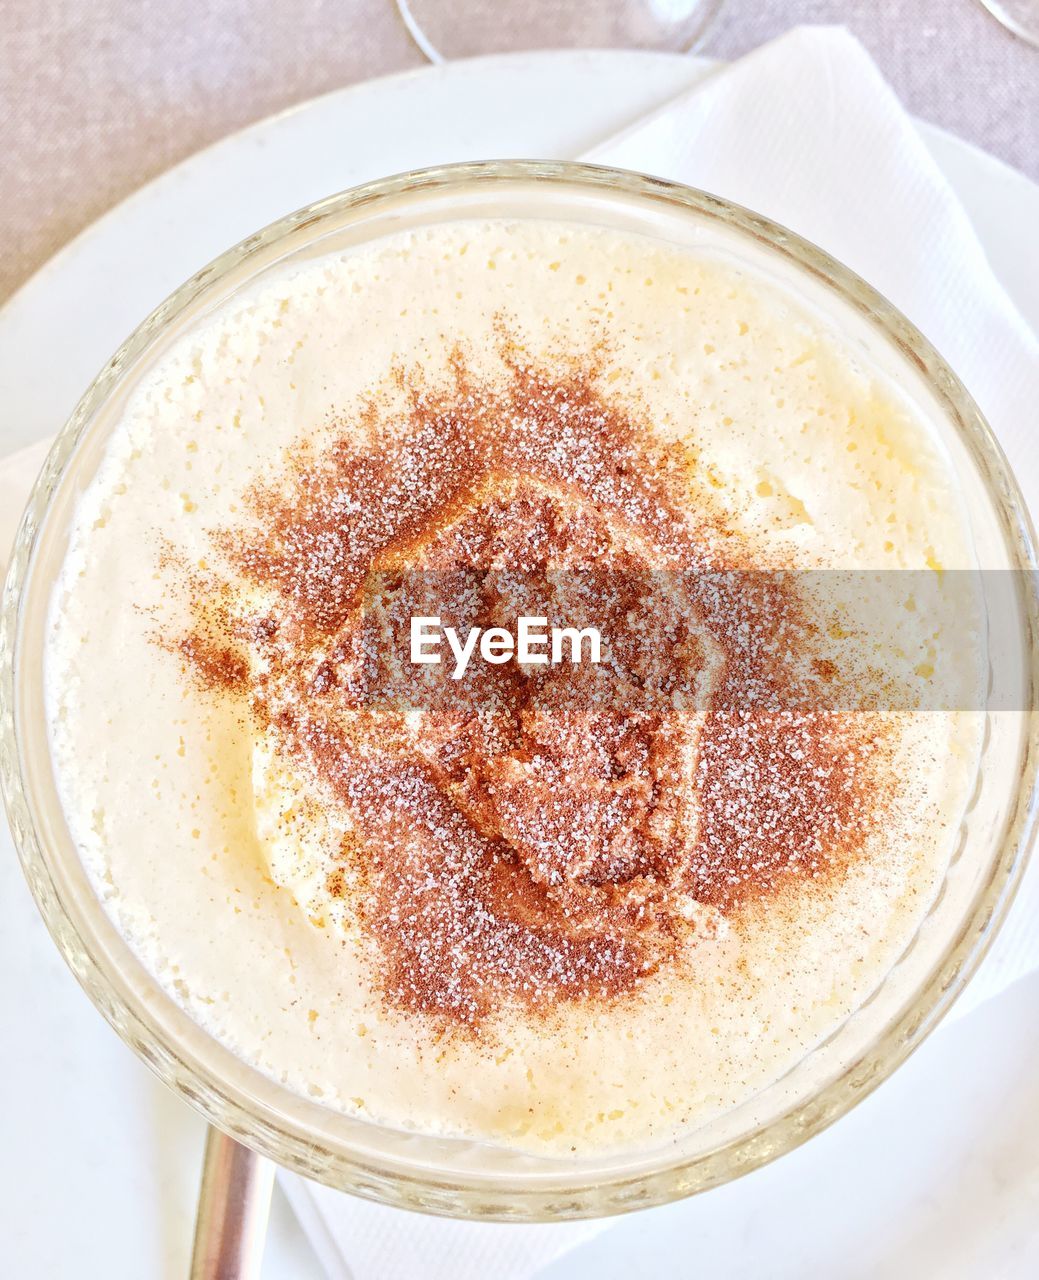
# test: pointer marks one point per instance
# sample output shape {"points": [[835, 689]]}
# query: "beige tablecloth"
{"points": [[98, 96]]}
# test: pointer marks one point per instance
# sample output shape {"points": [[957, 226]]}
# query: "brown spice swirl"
{"points": [[533, 834]]}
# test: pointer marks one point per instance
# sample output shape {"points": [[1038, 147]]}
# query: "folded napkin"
{"points": [[806, 131]]}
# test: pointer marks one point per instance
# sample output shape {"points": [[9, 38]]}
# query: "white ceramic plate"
{"points": [[934, 1175]]}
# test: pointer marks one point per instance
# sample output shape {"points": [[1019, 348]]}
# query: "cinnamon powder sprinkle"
{"points": [[533, 834], [214, 665]]}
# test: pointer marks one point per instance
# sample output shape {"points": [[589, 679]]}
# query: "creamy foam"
{"points": [[200, 833]]}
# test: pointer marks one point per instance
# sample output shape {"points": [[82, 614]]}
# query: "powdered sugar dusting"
{"points": [[533, 834]]}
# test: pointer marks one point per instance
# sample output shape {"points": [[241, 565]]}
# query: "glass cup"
{"points": [[466, 1178], [1019, 16], [445, 29]]}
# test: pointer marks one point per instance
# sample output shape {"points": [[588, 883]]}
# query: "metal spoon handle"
{"points": [[233, 1205]]}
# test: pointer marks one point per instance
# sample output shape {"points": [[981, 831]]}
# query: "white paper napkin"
{"points": [[806, 131]]}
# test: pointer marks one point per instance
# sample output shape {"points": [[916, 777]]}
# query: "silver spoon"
{"points": [[234, 1202]]}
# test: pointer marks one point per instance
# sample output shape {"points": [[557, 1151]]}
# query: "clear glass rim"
{"points": [[258, 1112]]}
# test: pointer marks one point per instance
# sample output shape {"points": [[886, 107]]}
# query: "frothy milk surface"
{"points": [[216, 837]]}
